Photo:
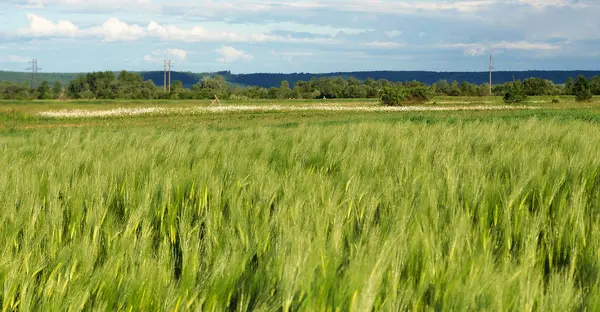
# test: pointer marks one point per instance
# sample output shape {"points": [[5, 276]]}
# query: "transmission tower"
{"points": [[34, 72]]}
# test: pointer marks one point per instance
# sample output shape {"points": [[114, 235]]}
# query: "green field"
{"points": [[494, 210]]}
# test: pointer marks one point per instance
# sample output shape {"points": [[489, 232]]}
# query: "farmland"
{"points": [[185, 206]]}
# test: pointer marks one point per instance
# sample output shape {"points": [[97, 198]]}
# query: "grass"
{"points": [[302, 211]]}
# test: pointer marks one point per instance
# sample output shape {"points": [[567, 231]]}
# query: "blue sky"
{"points": [[300, 36]]}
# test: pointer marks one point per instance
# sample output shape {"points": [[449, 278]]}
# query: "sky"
{"points": [[300, 36]]}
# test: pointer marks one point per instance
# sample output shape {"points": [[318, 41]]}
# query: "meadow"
{"points": [[458, 210]]}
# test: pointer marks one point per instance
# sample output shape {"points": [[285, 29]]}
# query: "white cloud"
{"points": [[214, 8], [116, 30], [474, 51], [194, 34], [201, 34], [111, 30], [292, 54], [478, 49], [542, 4], [393, 7], [394, 33], [523, 45], [159, 55], [87, 4], [42, 27], [14, 59], [403, 6], [231, 54], [178, 53], [384, 44]]}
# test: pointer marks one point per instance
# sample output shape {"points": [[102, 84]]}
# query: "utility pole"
{"points": [[169, 76], [34, 71], [165, 78], [491, 69]]}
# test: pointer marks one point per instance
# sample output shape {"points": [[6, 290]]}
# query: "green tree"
{"points": [[595, 85], [538, 86], [16, 92], [356, 91], [304, 89], [514, 92], [392, 96], [214, 86], [86, 95], [330, 88], [442, 87], [57, 88], [178, 91], [43, 91], [467, 89], [272, 93], [568, 89], [99, 83], [372, 87], [284, 92], [581, 89], [253, 92], [454, 89], [148, 90], [482, 90], [418, 94], [352, 81]]}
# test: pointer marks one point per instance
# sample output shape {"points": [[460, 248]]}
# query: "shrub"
{"points": [[515, 92], [418, 94], [582, 90], [392, 96], [397, 95], [86, 95]]}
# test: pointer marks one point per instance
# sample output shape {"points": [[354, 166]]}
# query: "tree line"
{"points": [[128, 85]]}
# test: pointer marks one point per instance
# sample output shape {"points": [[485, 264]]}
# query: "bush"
{"points": [[418, 94], [86, 95], [397, 95], [513, 97], [515, 92], [582, 90], [392, 96]]}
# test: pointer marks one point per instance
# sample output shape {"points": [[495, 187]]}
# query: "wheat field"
{"points": [[478, 214]]}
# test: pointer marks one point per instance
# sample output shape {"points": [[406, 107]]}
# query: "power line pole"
{"points": [[491, 69], [34, 71], [165, 78], [169, 76]]}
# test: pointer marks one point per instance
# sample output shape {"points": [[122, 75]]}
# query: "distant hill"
{"points": [[274, 80], [20, 77], [188, 79]]}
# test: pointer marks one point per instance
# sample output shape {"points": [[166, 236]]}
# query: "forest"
{"points": [[130, 85]]}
